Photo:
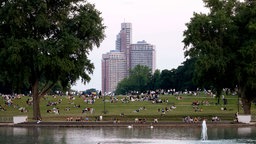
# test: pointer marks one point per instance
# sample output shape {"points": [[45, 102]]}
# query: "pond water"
{"points": [[123, 135]]}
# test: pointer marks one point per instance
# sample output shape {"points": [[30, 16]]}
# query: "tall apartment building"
{"points": [[124, 37], [113, 70], [142, 53], [117, 64], [123, 41]]}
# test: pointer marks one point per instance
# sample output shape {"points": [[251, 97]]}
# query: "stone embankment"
{"points": [[124, 124]]}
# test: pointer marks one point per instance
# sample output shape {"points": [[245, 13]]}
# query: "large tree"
{"points": [[224, 45], [140, 77], [155, 80], [167, 78], [138, 80], [183, 78], [47, 41]]}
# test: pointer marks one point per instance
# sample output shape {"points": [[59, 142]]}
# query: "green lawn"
{"points": [[183, 108]]}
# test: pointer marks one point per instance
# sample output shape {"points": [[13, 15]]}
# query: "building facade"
{"points": [[124, 37], [113, 70], [116, 64], [142, 53]]}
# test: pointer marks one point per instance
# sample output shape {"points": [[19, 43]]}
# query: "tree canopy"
{"points": [[43, 42], [142, 80], [138, 80], [223, 44]]}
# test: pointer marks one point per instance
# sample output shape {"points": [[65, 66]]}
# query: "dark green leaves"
{"points": [[49, 39]]}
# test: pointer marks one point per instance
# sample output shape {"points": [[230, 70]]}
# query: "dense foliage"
{"points": [[223, 43], [45, 42], [142, 80]]}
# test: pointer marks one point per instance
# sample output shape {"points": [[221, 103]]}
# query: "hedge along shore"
{"points": [[125, 124]]}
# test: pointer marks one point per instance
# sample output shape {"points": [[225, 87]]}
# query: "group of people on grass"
{"points": [[153, 97], [166, 109], [189, 119], [8, 102]]}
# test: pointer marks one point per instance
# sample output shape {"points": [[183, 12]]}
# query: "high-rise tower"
{"points": [[117, 64], [124, 37], [123, 41]]}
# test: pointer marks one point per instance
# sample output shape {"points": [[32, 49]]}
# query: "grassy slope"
{"points": [[184, 108]]}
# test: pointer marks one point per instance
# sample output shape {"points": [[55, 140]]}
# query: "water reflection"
{"points": [[19, 131], [107, 135], [244, 131]]}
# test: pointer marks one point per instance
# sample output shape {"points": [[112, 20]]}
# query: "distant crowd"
{"points": [[150, 96]]}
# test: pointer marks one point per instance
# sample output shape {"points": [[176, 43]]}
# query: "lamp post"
{"points": [[105, 82], [237, 92], [104, 106], [237, 102]]}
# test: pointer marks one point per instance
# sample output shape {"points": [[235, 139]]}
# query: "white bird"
{"points": [[38, 121], [130, 126], [151, 126]]}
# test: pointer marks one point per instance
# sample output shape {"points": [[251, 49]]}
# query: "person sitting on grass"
{"points": [[8, 102], [78, 118], [163, 112], [29, 101], [67, 109], [166, 109], [215, 119], [56, 111], [23, 109], [116, 120], [223, 108], [188, 119], [236, 117], [70, 119], [195, 120], [173, 107]]}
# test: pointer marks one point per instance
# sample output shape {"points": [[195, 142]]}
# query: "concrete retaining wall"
{"points": [[20, 119], [244, 118]]}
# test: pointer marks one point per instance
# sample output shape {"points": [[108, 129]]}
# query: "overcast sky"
{"points": [[159, 22]]}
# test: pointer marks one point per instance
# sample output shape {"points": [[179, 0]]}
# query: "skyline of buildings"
{"points": [[117, 63]]}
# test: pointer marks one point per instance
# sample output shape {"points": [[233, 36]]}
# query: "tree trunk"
{"points": [[36, 101], [245, 98], [246, 105], [218, 93]]}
